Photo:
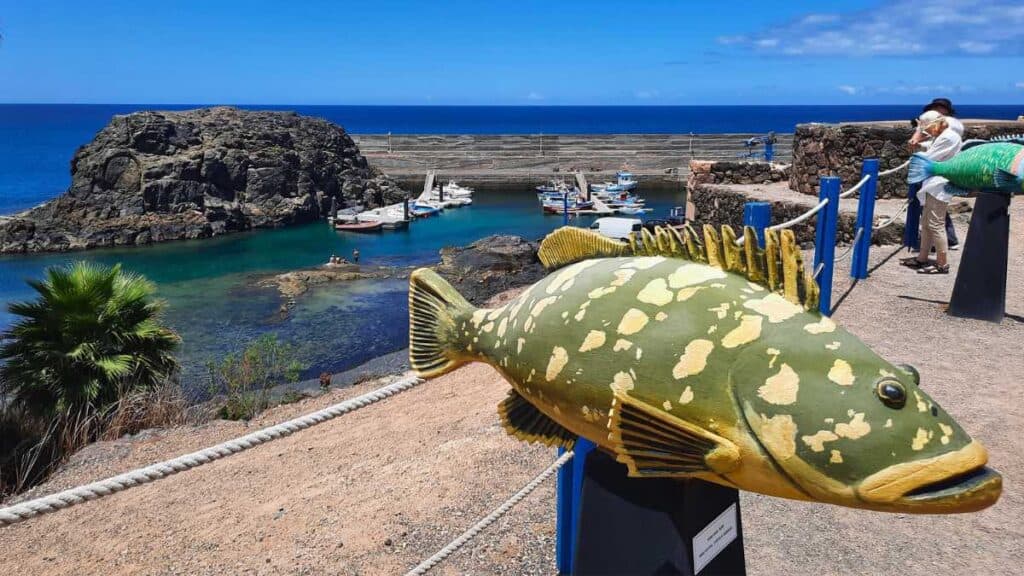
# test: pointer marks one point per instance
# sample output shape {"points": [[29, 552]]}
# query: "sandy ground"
{"points": [[378, 490]]}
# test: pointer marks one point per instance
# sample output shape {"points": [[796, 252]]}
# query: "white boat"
{"points": [[390, 217], [453, 190]]}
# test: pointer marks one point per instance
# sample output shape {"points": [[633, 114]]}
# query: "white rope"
{"points": [[892, 219], [894, 170], [849, 249], [856, 187], [817, 207], [80, 494], [821, 267], [498, 512]]}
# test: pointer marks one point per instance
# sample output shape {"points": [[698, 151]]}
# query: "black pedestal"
{"points": [[980, 288], [648, 526]]}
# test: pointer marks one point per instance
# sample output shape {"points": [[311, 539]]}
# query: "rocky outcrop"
{"points": [[838, 150], [491, 265], [158, 176]]}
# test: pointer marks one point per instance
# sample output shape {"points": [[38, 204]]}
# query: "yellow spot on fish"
{"points": [[885, 372], [564, 279], [632, 322], [694, 359], [541, 305], [830, 420], [817, 440], [686, 293], [781, 388], [921, 406], [639, 352], [690, 274], [841, 373], [736, 315], [666, 405], [855, 429], [920, 439], [622, 382], [836, 457], [579, 315], [519, 345], [655, 293], [823, 326], [660, 316], [722, 310], [502, 326], [712, 328], [621, 345], [622, 276], [778, 434], [947, 431], [559, 358], [775, 307], [644, 262], [599, 292], [687, 396], [748, 331], [528, 325], [488, 327], [478, 317], [833, 346], [755, 287], [593, 341], [888, 423]]}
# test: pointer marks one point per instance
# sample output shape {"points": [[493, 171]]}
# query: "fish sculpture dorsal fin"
{"points": [[1014, 138], [779, 266]]}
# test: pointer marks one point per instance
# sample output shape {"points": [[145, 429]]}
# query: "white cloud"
{"points": [[646, 94], [899, 28], [535, 96], [851, 90], [1019, 85], [931, 90]]}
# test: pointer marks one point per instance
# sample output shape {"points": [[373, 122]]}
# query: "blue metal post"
{"points": [[565, 207], [570, 486], [825, 243], [769, 150], [758, 215], [865, 219], [911, 235]]}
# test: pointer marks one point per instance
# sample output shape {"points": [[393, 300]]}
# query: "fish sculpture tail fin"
{"points": [[920, 169], [435, 308], [1006, 180]]}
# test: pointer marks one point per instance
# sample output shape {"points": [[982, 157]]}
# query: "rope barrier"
{"points": [[821, 267], [849, 249], [892, 219], [894, 170], [855, 187], [817, 208], [498, 512], [138, 477]]}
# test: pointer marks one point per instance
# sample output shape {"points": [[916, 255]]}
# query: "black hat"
{"points": [[940, 103]]}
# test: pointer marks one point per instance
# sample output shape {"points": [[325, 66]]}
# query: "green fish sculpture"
{"points": [[689, 357], [991, 166]]}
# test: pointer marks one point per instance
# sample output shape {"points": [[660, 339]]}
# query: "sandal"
{"points": [[934, 269], [913, 262]]}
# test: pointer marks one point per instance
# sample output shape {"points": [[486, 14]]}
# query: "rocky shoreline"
{"points": [[158, 176]]}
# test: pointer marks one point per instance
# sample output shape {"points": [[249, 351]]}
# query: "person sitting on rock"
{"points": [[933, 196]]}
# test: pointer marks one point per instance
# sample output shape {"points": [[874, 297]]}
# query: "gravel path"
{"points": [[378, 490]]}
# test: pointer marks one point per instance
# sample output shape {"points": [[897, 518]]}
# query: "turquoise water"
{"points": [[213, 302]]}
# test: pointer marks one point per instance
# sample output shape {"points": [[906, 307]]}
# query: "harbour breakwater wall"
{"points": [[479, 159], [839, 149]]}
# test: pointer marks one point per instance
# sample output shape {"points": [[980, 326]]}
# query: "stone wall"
{"points": [[731, 172], [838, 149], [723, 204]]}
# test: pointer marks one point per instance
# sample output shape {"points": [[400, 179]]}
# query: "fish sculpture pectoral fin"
{"points": [[435, 310], [1006, 180], [654, 443], [525, 422]]}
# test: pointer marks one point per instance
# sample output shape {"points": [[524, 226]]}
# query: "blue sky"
{"points": [[522, 52]]}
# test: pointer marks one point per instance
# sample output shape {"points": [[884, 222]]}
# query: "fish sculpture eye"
{"points": [[892, 394]]}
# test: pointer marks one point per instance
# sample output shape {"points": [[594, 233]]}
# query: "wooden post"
{"points": [[758, 215], [825, 242], [865, 220]]}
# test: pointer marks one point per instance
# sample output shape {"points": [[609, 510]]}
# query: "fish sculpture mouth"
{"points": [[958, 481]]}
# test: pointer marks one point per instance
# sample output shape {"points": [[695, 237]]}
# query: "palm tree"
{"points": [[91, 335]]}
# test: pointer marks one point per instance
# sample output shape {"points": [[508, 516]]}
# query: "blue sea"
{"points": [[209, 285]]}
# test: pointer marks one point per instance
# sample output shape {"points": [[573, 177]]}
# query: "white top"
{"points": [[955, 125], [944, 147]]}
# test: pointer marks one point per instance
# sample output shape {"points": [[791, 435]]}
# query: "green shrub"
{"points": [[247, 378]]}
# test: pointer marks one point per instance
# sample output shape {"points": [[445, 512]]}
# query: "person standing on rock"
{"points": [[355, 255], [945, 107], [932, 194]]}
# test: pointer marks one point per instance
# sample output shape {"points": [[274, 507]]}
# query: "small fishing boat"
{"points": [[453, 190], [356, 226], [421, 209], [632, 209]]}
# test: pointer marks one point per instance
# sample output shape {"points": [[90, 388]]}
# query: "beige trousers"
{"points": [[933, 226]]}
